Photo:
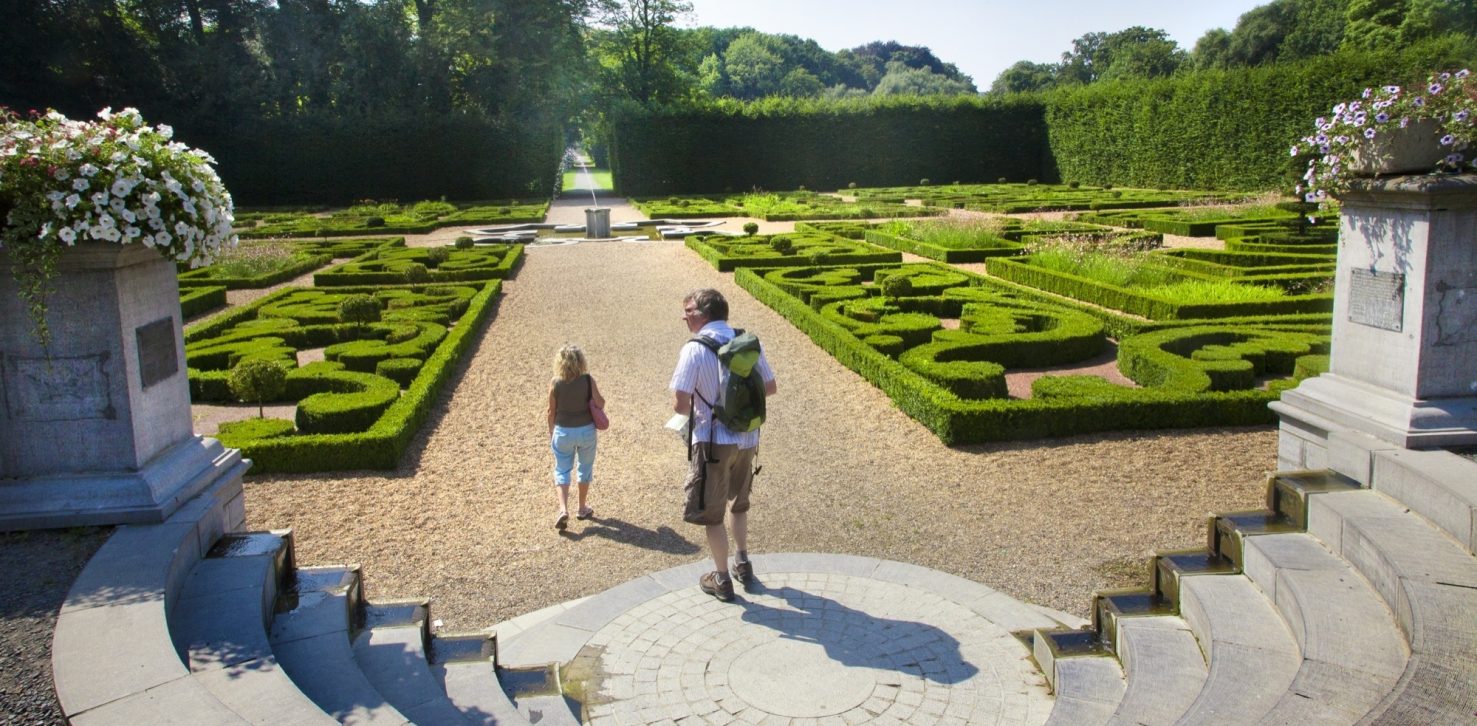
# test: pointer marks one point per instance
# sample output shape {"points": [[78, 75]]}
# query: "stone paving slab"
{"points": [[818, 639]]}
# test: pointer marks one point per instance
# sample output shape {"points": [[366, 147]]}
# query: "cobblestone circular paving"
{"points": [[812, 648]]}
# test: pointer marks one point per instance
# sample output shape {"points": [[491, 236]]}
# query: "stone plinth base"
{"points": [[1331, 403], [146, 496]]}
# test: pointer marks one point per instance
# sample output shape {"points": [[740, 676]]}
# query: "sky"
{"points": [[983, 37]]}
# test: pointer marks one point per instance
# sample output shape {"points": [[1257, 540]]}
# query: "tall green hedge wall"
{"points": [[1216, 130], [1223, 130], [335, 160], [780, 144]]}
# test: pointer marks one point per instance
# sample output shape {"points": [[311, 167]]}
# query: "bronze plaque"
{"points": [[1377, 299], [158, 358]]}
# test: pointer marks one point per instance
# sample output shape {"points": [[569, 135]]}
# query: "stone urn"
{"points": [[1414, 149]]}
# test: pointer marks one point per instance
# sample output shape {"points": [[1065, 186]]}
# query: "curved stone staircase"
{"points": [[1351, 598], [191, 622]]}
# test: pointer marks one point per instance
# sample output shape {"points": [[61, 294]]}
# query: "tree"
{"points": [[1025, 76], [754, 67], [1432, 18], [1138, 51], [257, 380], [1213, 50], [1374, 24], [643, 48], [800, 83], [902, 80]]}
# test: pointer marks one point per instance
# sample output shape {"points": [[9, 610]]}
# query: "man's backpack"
{"points": [[740, 408]]}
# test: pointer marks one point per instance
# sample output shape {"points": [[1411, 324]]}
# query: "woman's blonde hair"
{"points": [[569, 362]]}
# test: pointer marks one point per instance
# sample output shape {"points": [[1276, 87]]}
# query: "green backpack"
{"points": [[742, 410]]}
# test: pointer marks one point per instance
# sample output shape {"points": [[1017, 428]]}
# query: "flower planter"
{"points": [[1415, 149]]}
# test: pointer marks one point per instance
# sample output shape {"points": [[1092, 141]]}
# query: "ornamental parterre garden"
{"points": [[1203, 337], [361, 403]]}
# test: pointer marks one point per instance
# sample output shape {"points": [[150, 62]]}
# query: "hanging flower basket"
{"points": [[116, 180]]}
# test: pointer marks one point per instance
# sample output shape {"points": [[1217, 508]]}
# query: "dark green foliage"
{"points": [[897, 286], [783, 144], [234, 434], [751, 228], [389, 266], [257, 381], [347, 419], [374, 222], [197, 300], [952, 379], [1225, 130], [730, 253], [464, 242], [410, 219], [437, 255], [782, 245], [359, 309]]}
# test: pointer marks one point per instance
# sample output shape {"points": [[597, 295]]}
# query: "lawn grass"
{"points": [[600, 177]]}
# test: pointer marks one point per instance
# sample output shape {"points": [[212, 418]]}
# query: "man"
{"points": [[722, 471]]}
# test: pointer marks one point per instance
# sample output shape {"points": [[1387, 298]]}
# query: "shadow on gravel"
{"points": [[858, 639], [661, 539]]}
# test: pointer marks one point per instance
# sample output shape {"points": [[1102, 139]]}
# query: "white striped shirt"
{"points": [[699, 370]]}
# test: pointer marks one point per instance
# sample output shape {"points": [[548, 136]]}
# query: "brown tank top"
{"points": [[572, 402]]}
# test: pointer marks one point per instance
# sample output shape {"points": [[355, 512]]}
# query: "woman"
{"points": [[571, 428]]}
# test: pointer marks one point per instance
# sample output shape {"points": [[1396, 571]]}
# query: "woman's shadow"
{"points": [[857, 639], [661, 539]]}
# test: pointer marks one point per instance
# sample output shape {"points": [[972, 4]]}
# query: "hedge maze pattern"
{"points": [[950, 375], [727, 253], [785, 207], [418, 218], [359, 406], [1008, 198]]}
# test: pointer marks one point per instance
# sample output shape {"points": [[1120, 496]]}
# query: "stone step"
{"points": [[1229, 532], [1163, 666], [393, 658], [311, 637], [537, 692], [112, 658], [1251, 655], [1088, 690], [1170, 566], [1353, 653], [474, 688], [1110, 606], [1288, 491], [1438, 485], [220, 627], [1429, 582]]}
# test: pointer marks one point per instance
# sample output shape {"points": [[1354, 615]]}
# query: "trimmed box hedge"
{"points": [[825, 302], [346, 419], [726, 253], [396, 266], [197, 300]]}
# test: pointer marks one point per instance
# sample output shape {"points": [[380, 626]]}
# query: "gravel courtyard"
{"points": [[467, 518]]}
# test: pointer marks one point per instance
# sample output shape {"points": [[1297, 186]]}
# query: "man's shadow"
{"points": [[661, 539], [857, 639]]}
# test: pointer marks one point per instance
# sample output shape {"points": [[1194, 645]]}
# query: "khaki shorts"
{"points": [[710, 485]]}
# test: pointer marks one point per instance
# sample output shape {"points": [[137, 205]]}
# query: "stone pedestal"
{"points": [[96, 428], [1403, 364]]}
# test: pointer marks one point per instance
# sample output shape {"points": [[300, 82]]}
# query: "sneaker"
{"points": [[743, 571], [718, 585]]}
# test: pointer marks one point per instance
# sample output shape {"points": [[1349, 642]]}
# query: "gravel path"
{"points": [[467, 517]]}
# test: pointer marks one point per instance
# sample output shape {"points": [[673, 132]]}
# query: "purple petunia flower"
{"points": [[1463, 73], [1461, 115], [1419, 102], [1369, 133], [1434, 88], [1392, 89], [1453, 159], [1447, 140], [1404, 121], [1339, 109], [1381, 117], [1293, 151], [1367, 93]]}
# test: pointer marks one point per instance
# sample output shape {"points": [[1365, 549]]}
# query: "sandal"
{"points": [[561, 521], [586, 513]]}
